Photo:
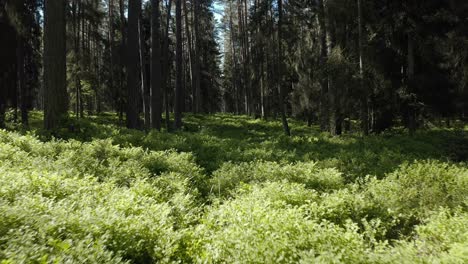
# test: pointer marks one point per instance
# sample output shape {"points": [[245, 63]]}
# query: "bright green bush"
{"points": [[97, 199], [421, 187], [263, 226], [230, 175], [442, 239]]}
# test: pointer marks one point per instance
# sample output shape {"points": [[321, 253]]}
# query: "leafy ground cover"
{"points": [[231, 189]]}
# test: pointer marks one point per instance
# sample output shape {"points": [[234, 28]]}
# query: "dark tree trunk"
{"points": [[166, 69], [198, 97], [145, 90], [112, 86], [191, 56], [22, 87], [123, 61], [410, 83], [134, 9], [156, 80], [55, 90], [323, 106], [364, 100], [282, 92], [178, 89]]}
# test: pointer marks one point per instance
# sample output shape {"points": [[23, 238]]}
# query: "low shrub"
{"points": [[254, 228], [230, 175]]}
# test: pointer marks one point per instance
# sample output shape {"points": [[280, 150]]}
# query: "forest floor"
{"points": [[231, 189]]}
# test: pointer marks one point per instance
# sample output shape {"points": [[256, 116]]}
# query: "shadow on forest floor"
{"points": [[219, 138]]}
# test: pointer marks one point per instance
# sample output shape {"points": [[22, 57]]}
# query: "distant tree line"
{"points": [[331, 62], [136, 58]]}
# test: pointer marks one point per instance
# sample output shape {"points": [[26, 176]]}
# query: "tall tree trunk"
{"points": [[410, 83], [331, 92], [166, 69], [134, 9], [323, 106], [55, 90], [81, 59], [364, 99], [123, 60], [191, 56], [112, 86], [77, 27], [178, 89], [235, 81], [145, 91], [197, 40], [156, 80], [22, 88], [282, 92]]}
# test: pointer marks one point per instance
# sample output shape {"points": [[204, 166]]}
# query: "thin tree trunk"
{"points": [[331, 92], [123, 60], [323, 106], [364, 100], [410, 83], [22, 81], [166, 70], [191, 57], [197, 39], [235, 82], [156, 78], [178, 89], [145, 91], [282, 92], [111, 53]]}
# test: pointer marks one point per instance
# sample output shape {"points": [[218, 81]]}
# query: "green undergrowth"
{"points": [[230, 189]]}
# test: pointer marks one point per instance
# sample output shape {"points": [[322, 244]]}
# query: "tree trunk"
{"points": [[178, 89], [166, 69], [410, 83], [55, 90], [197, 40], [323, 106], [156, 79], [123, 61], [331, 92], [111, 36], [22, 88], [282, 92], [364, 100], [134, 9], [191, 56], [145, 91]]}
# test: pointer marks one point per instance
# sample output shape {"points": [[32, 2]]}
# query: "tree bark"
{"points": [[123, 61], [364, 100], [178, 89], [410, 83], [134, 9], [282, 92], [191, 56], [323, 106], [197, 40], [156, 78], [145, 90], [166, 69], [22, 88], [55, 90]]}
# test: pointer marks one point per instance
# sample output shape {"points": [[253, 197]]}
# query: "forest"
{"points": [[233, 131]]}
